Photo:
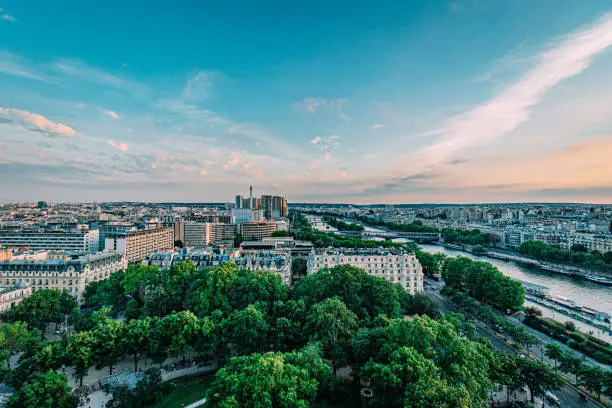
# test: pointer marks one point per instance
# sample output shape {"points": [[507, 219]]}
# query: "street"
{"points": [[568, 395]]}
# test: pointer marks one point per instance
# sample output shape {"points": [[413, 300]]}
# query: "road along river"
{"points": [[583, 292]]}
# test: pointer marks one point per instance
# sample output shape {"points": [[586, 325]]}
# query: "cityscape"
{"points": [[278, 205]]}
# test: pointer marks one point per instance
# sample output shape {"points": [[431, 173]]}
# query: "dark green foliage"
{"points": [[578, 255], [366, 295], [484, 281]]}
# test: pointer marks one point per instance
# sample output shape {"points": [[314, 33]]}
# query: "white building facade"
{"points": [[393, 265], [62, 272], [77, 240]]}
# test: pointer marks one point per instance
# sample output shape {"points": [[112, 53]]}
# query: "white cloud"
{"points": [[38, 122], [311, 105], [112, 114], [118, 145], [4, 15], [315, 140], [513, 105], [376, 126], [199, 86]]}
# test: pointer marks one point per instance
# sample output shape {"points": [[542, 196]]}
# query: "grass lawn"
{"points": [[186, 392]]}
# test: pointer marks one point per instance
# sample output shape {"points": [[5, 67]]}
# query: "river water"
{"points": [[583, 292]]}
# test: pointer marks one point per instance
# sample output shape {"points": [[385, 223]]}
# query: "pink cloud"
{"points": [[118, 145], [112, 114], [39, 122]]}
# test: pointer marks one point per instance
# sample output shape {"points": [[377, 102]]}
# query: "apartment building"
{"points": [[79, 239], [12, 295], [393, 265], [257, 230], [61, 271], [137, 245], [272, 261]]}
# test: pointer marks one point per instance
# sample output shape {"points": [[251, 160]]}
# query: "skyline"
{"points": [[436, 102]]}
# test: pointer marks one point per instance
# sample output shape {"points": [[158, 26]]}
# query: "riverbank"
{"points": [[573, 271], [583, 292]]}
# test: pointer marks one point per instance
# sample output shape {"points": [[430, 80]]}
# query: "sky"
{"points": [[437, 101]]}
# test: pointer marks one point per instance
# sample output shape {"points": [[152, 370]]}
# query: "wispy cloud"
{"points": [[79, 69], [313, 104], [198, 86], [376, 126], [5, 16], [112, 114], [14, 65], [513, 105], [316, 140], [118, 145], [38, 122]]}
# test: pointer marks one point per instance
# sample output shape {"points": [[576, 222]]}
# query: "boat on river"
{"points": [[599, 279]]}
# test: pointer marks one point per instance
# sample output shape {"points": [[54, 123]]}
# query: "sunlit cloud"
{"points": [[5, 16], [38, 122], [513, 105], [112, 114], [118, 145]]}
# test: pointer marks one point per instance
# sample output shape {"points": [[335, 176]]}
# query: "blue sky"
{"points": [[363, 102]]}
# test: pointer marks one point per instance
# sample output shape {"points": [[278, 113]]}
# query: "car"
{"points": [[521, 355]]}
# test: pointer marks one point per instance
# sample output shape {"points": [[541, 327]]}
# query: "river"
{"points": [[583, 292]]}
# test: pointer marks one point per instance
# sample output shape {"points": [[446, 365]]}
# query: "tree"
{"points": [[49, 389], [333, 323], [238, 240], [593, 379], [411, 380], [180, 330], [274, 380], [532, 312], [136, 338], [579, 248], [41, 308], [428, 262], [571, 364], [80, 351], [14, 337], [209, 293], [246, 330], [507, 373], [455, 370], [570, 326], [554, 352], [454, 271], [538, 377], [281, 234], [136, 280], [365, 295], [107, 337], [421, 304]]}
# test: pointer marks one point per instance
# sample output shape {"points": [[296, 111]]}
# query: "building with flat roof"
{"points": [[68, 272], [75, 239], [391, 264], [257, 229], [137, 245]]}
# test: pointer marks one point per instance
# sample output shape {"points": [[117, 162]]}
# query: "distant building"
{"points": [[201, 234], [137, 245], [112, 229], [61, 271], [274, 207], [257, 230], [76, 239], [12, 295], [393, 265]]}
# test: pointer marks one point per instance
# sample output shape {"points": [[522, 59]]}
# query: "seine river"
{"points": [[583, 292]]}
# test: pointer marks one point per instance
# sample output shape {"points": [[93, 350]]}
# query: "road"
{"points": [[568, 395]]}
